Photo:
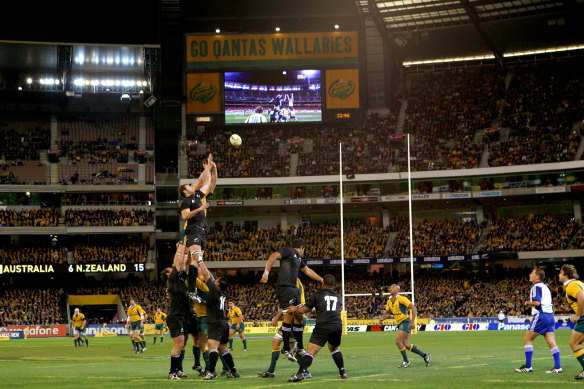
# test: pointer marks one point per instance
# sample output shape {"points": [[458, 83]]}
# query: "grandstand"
{"points": [[97, 134]]}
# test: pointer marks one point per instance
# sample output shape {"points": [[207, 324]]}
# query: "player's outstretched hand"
{"points": [[264, 279], [210, 159]]}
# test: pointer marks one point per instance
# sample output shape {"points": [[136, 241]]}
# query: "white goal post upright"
{"points": [[411, 223], [343, 311], [411, 238]]}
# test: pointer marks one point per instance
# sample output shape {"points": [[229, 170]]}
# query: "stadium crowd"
{"points": [[128, 253], [33, 255], [28, 218], [108, 218], [29, 306], [530, 233], [468, 295]]}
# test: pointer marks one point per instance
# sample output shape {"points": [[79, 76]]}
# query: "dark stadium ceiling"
{"points": [[426, 29], [409, 15], [410, 29]]}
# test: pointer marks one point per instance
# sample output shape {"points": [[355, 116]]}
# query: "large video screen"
{"points": [[273, 96]]}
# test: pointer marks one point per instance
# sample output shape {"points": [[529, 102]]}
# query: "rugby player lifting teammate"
{"points": [[194, 208], [178, 308], [291, 263]]}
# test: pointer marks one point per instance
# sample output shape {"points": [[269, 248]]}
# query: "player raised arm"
{"points": [[275, 256], [213, 177], [204, 272], [312, 274], [205, 177], [179, 256]]}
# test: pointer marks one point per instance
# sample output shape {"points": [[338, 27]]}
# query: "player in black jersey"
{"points": [[218, 323], [194, 206], [291, 263], [328, 329], [178, 308]]}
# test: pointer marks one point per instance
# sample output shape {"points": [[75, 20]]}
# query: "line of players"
{"points": [[282, 111], [543, 321], [190, 287]]}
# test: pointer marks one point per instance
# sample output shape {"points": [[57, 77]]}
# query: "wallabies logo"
{"points": [[341, 89], [203, 92]]}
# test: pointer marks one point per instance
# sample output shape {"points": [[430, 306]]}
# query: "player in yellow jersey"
{"points": [[135, 324], [78, 323], [399, 306], [575, 297], [236, 325], [159, 320]]}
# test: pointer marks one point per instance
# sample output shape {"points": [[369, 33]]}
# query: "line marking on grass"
{"points": [[73, 364], [463, 366]]}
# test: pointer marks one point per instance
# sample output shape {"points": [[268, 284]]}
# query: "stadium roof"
{"points": [[410, 15], [424, 29]]}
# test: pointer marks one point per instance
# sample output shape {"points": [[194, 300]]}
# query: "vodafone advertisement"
{"points": [[39, 331]]}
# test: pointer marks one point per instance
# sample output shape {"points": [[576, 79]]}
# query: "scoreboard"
{"points": [[316, 76], [72, 268]]}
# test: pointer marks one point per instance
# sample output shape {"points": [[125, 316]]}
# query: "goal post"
{"points": [[411, 233]]}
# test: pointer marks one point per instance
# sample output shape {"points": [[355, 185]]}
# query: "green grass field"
{"points": [[239, 117], [459, 360]]}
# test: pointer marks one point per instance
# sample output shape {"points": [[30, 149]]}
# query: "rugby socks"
{"points": [[416, 350], [306, 362], [213, 357], [404, 355], [135, 345], [244, 343], [180, 359], [174, 363], [338, 358], [275, 356], [286, 329], [228, 359], [206, 358], [224, 363], [528, 354], [161, 339], [86, 342], [579, 354], [556, 354], [155, 340], [197, 355], [298, 332], [231, 343], [75, 342]]}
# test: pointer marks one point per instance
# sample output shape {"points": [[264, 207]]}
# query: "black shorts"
{"points": [[176, 325], [219, 331], [196, 236], [287, 296], [193, 324], [326, 333]]}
